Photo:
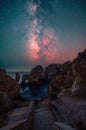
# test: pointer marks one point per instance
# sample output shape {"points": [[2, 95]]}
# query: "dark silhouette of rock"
{"points": [[54, 88], [52, 70], [9, 85], [37, 76]]}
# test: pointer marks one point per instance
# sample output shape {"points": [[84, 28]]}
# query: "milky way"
{"points": [[44, 46], [40, 32], [42, 42]]}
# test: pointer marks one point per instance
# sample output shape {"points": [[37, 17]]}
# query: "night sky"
{"points": [[40, 32]]}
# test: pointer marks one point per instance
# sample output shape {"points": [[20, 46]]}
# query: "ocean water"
{"points": [[12, 74], [32, 92], [38, 92]]}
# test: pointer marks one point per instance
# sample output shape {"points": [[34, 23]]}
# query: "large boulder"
{"points": [[52, 70], [9, 85], [54, 88], [64, 79], [37, 76]]}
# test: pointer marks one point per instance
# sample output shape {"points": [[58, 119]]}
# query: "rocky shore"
{"points": [[66, 89]]}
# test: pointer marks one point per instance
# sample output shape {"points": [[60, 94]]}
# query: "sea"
{"points": [[35, 92]]}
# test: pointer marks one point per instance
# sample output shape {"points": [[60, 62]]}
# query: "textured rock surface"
{"points": [[54, 88], [44, 120], [37, 76], [79, 66], [71, 77], [52, 70], [72, 109], [9, 85]]}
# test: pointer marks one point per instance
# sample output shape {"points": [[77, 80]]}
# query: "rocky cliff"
{"points": [[71, 77], [8, 85], [37, 76]]}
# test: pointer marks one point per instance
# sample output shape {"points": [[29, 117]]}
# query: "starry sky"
{"points": [[40, 32]]}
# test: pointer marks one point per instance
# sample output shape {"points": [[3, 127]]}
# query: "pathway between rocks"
{"points": [[44, 120]]}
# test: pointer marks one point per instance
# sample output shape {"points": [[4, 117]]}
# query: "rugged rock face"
{"points": [[79, 64], [54, 88], [64, 79], [52, 70], [9, 85], [66, 75], [71, 76], [79, 87], [37, 76], [79, 67], [72, 111]]}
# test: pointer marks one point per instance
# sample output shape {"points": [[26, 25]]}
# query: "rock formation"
{"points": [[79, 66], [9, 85], [37, 76], [71, 77], [52, 70]]}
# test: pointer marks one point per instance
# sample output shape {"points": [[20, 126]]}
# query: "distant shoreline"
{"points": [[18, 71]]}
